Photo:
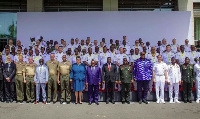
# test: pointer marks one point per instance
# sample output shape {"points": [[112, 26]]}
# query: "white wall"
{"points": [[150, 26]]}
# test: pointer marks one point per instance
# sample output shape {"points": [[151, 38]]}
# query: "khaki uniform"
{"points": [[52, 82], [29, 71], [64, 68], [19, 80], [125, 76]]}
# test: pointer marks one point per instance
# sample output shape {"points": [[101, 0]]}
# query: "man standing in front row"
{"points": [[64, 69], [125, 79], [109, 75], [9, 75], [41, 79], [142, 73], [93, 80], [187, 80]]}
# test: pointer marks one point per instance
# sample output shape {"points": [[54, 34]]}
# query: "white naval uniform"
{"points": [[197, 81], [187, 48], [128, 48], [162, 48], [193, 55], [181, 57], [36, 59], [160, 69], [174, 77], [174, 48], [167, 57], [58, 56], [103, 58], [88, 58]]}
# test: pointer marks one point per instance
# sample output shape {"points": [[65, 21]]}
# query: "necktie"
{"points": [[109, 67], [8, 66]]}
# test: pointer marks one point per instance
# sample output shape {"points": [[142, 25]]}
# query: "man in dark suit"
{"points": [[9, 74], [93, 80], [1, 79], [109, 76]]}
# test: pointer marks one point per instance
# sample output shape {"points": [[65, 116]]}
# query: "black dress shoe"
{"points": [[97, 103], [145, 102], [7, 101], [27, 101], [128, 102], [185, 101], [190, 101], [1, 100], [54, 102], [11, 100], [89, 103], [21, 101], [113, 102], [61, 102], [32, 101], [123, 102], [107, 102], [68, 102], [140, 102]]}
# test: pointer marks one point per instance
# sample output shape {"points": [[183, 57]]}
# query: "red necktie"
{"points": [[109, 67]]}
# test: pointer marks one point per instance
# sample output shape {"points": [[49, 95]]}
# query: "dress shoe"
{"points": [[113, 102], [97, 103], [68, 102], [123, 102], [54, 102], [185, 101], [7, 101], [27, 101], [11, 100], [190, 101], [107, 102], [128, 102], [145, 102], [61, 102], [89, 103], [140, 102]]}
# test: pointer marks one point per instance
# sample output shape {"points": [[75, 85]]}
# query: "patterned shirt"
{"points": [[143, 69]]}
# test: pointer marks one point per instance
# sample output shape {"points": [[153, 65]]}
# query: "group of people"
{"points": [[91, 65]]}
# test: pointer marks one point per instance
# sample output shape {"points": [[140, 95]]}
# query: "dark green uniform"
{"points": [[187, 72], [125, 76]]}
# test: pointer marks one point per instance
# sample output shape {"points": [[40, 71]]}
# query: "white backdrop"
{"points": [[150, 26]]}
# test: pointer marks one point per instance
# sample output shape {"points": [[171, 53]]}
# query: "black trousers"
{"points": [[9, 90], [1, 89], [110, 91]]}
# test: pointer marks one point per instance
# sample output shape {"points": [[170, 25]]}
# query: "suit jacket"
{"points": [[109, 75], [93, 77], [1, 71], [41, 74], [9, 73]]}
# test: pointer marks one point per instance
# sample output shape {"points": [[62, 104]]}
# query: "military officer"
{"points": [[89, 57], [28, 75], [187, 80], [197, 72], [182, 55], [64, 69], [174, 79], [160, 78], [125, 79], [58, 55], [19, 79], [52, 82]]}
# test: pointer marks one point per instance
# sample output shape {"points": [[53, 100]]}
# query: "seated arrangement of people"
{"points": [[92, 66]]}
